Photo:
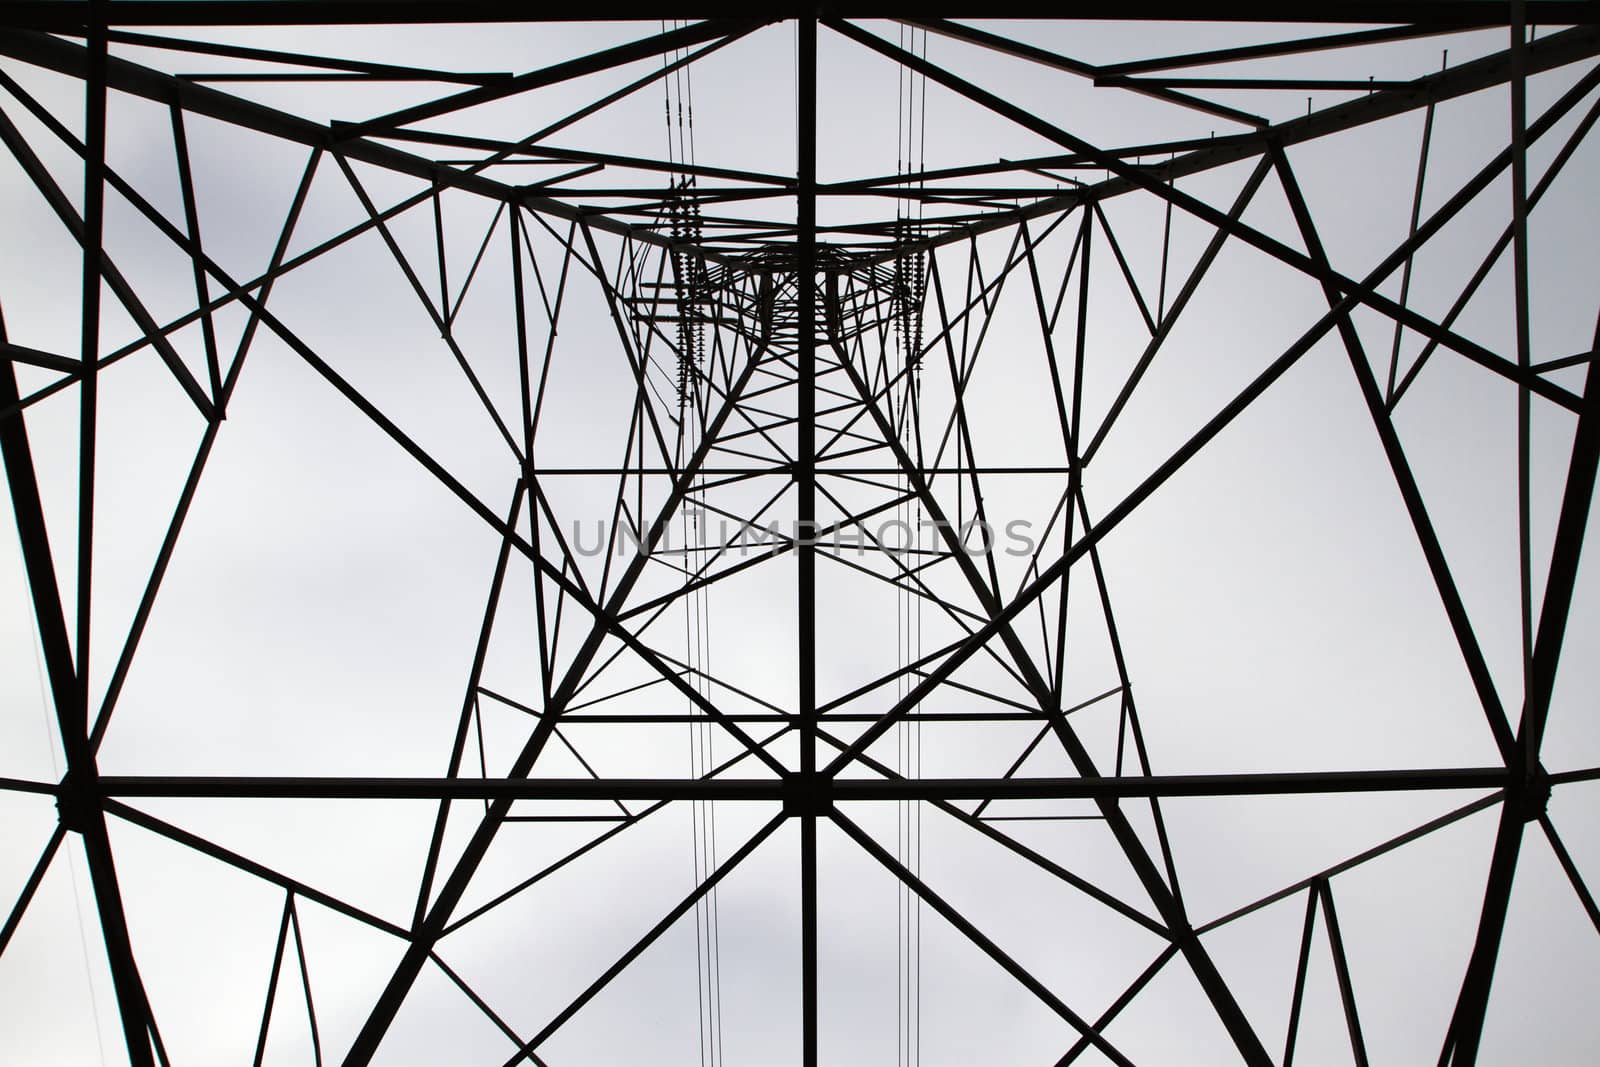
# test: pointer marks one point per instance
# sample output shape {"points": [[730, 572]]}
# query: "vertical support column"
{"points": [[79, 797], [806, 504], [1466, 1026]]}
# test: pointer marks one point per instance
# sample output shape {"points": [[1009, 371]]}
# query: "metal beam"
{"points": [[69, 15], [66, 57], [819, 793], [805, 475]]}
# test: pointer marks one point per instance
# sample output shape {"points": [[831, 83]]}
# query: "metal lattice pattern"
{"points": [[703, 430]]}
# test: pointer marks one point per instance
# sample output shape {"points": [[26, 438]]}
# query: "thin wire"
{"points": [[694, 825], [708, 823], [922, 162], [703, 597], [914, 602], [902, 946], [666, 92], [72, 867], [688, 79], [678, 97], [899, 108], [905, 365], [677, 75], [691, 633]]}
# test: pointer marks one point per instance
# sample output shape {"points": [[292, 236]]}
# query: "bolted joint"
{"points": [[1530, 796], [807, 798], [77, 804]]}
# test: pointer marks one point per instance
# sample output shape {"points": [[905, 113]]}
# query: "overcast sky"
{"points": [[1274, 608]]}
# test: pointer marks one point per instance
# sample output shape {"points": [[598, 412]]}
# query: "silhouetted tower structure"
{"points": [[792, 452]]}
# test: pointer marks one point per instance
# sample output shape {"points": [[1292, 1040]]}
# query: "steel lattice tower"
{"points": [[716, 453]]}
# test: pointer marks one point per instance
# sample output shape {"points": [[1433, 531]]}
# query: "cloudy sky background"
{"points": [[1276, 613]]}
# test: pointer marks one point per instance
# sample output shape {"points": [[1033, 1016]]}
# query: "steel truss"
{"points": [[759, 332]]}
